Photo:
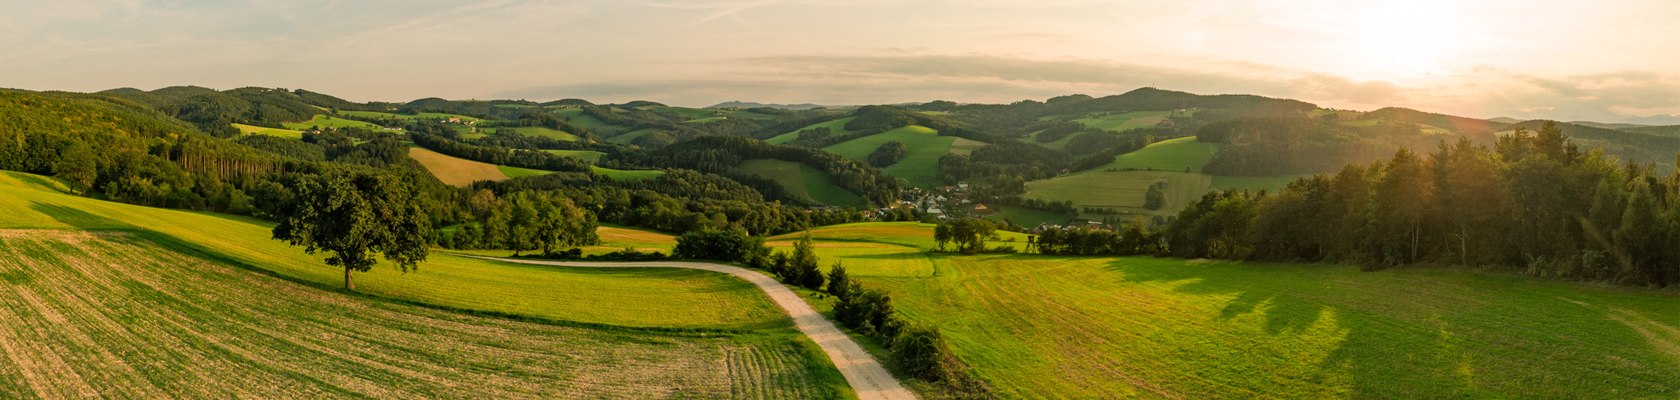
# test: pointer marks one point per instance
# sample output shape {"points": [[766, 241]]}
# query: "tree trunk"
{"points": [[348, 284]]}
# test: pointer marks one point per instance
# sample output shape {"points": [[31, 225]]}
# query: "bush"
{"points": [[722, 245]]}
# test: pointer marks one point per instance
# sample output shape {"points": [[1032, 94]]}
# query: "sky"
{"points": [[1606, 61]]}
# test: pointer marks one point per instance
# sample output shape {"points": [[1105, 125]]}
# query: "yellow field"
{"points": [[455, 171]]}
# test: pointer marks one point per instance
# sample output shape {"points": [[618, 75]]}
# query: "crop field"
{"points": [[1104, 327], [327, 121], [266, 131], [1124, 121], [803, 181], [118, 314], [920, 165], [835, 127], [456, 171], [671, 298], [1027, 217]]}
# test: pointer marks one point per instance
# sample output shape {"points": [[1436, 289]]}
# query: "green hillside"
{"points": [[1106, 327], [538, 131], [651, 298], [1123, 185], [586, 155], [266, 131], [803, 182], [835, 127], [327, 121], [920, 165]]}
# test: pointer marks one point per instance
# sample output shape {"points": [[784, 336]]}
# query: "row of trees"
{"points": [[720, 154], [1534, 201], [523, 221], [968, 234]]}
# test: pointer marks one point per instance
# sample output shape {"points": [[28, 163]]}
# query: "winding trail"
{"points": [[866, 375]]}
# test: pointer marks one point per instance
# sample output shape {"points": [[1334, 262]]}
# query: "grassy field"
{"points": [[637, 298], [631, 175], [920, 165], [457, 171], [1037, 326], [538, 131], [516, 172], [327, 121], [627, 137], [1027, 217], [432, 116], [1124, 121], [590, 156], [258, 130], [576, 117], [802, 181], [1123, 184], [835, 127], [135, 314]]}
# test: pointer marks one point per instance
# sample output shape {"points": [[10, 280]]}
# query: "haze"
{"points": [[1602, 61]]}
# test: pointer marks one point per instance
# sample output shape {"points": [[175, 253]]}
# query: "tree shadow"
{"points": [[77, 218], [1432, 333]]}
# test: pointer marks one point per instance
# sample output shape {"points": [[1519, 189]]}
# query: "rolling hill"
{"points": [[803, 182], [1122, 186], [920, 165]]}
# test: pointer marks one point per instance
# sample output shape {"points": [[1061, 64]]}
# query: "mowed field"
{"points": [[920, 165], [1104, 327], [1124, 184], [266, 131], [656, 298], [121, 314], [328, 121], [537, 131], [1123, 121], [802, 181], [460, 171]]}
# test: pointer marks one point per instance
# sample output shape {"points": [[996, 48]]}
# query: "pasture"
{"points": [[137, 314], [802, 181], [665, 298], [835, 127], [536, 131], [1123, 185], [327, 121], [266, 131], [1117, 327], [920, 165], [589, 156], [1123, 121]]}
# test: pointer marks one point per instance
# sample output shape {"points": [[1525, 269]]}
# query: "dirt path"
{"points": [[867, 377]]}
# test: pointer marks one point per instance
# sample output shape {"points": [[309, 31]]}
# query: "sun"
{"points": [[1396, 40]]}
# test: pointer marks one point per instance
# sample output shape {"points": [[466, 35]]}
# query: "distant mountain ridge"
{"points": [[749, 104]]}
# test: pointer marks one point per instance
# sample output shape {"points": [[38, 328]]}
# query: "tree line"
{"points": [[1533, 202]]}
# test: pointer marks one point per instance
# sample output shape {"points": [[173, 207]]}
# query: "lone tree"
{"points": [[354, 216]]}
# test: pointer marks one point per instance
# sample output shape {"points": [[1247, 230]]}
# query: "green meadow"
{"points": [[920, 165], [802, 181]]}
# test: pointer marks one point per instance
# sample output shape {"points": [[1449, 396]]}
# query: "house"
{"points": [[935, 211], [453, 120], [981, 210]]}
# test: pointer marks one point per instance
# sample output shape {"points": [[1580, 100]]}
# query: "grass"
{"points": [[517, 172], [802, 181], [576, 117], [1105, 327], [1123, 184], [538, 131], [1124, 121], [630, 136], [433, 116], [920, 165], [670, 298], [458, 171], [1026, 217], [136, 314], [266, 131], [630, 175], [835, 127], [590, 156], [328, 121]]}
